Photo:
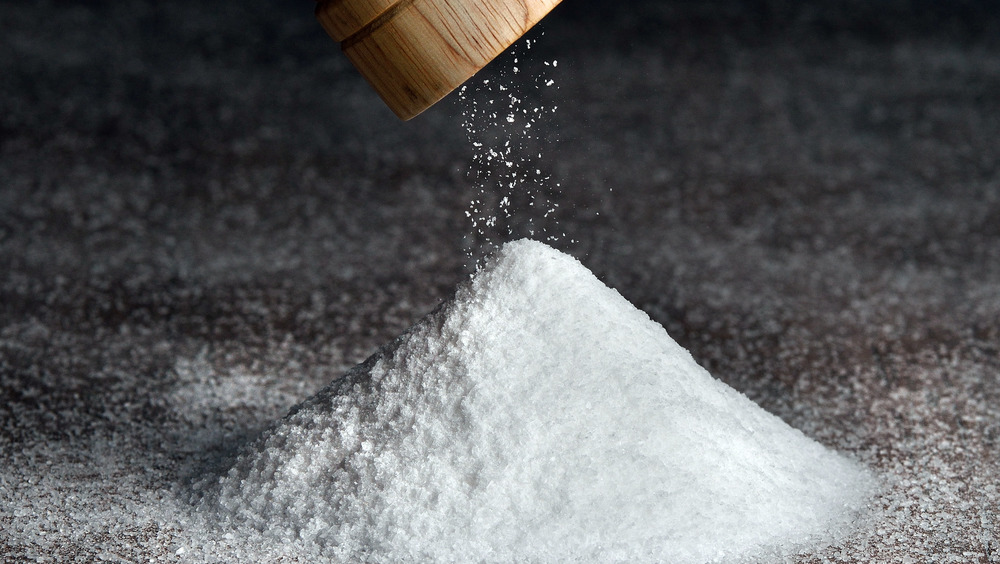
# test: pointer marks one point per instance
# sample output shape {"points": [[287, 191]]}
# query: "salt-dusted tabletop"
{"points": [[206, 216]]}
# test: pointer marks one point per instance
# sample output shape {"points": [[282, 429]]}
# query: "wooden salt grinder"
{"points": [[414, 52]]}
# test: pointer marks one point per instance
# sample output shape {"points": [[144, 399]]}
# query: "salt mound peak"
{"points": [[538, 416]]}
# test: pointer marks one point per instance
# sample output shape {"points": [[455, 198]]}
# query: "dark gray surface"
{"points": [[205, 215]]}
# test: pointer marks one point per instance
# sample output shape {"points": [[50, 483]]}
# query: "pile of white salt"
{"points": [[538, 416]]}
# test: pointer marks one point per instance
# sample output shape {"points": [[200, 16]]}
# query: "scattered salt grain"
{"points": [[538, 416]]}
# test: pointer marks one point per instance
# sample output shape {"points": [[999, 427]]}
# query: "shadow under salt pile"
{"points": [[538, 416]]}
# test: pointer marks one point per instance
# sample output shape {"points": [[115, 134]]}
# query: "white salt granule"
{"points": [[538, 416], [505, 143]]}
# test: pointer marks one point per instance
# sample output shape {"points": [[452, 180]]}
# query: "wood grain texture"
{"points": [[414, 52]]}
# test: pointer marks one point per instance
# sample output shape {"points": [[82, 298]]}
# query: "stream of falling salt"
{"points": [[508, 123]]}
